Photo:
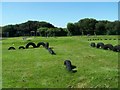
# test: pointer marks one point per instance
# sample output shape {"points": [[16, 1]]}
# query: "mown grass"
{"points": [[0, 64], [36, 68]]}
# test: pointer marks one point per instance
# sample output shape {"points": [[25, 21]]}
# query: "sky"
{"points": [[57, 13]]}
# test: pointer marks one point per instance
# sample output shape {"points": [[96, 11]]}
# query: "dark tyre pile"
{"points": [[28, 45], [94, 39], [106, 46], [116, 48]]}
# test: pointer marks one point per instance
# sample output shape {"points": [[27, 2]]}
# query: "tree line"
{"points": [[87, 26], [94, 27]]}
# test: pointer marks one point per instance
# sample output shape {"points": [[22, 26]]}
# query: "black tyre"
{"points": [[92, 44], [31, 44], [108, 46], [47, 45], [68, 65], [11, 48], [100, 45], [21, 47], [51, 51], [41, 44], [116, 48]]}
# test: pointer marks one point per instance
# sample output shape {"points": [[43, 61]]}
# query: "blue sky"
{"points": [[57, 13]]}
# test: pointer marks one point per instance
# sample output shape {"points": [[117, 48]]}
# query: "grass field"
{"points": [[37, 68]]}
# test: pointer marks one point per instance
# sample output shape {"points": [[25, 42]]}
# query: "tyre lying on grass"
{"points": [[11, 48], [92, 44], [47, 45], [21, 47], [51, 51], [31, 44], [69, 66], [100, 45], [116, 48], [108, 46], [41, 44]]}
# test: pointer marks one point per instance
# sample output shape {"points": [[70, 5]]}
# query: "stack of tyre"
{"points": [[101, 45], [45, 45]]}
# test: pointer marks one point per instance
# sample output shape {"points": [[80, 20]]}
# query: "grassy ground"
{"points": [[0, 64], [36, 68]]}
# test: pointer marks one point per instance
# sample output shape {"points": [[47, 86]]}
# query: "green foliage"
{"points": [[25, 28], [94, 27], [100, 28], [50, 32], [87, 26], [0, 31], [82, 27]]}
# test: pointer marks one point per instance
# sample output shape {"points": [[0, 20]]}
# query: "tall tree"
{"points": [[71, 28]]}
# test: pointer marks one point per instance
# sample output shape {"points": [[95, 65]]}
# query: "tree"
{"points": [[43, 31], [100, 28], [10, 29], [25, 28], [87, 26], [110, 28], [117, 27], [71, 28]]}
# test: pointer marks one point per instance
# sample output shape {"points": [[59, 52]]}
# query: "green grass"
{"points": [[36, 68]]}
